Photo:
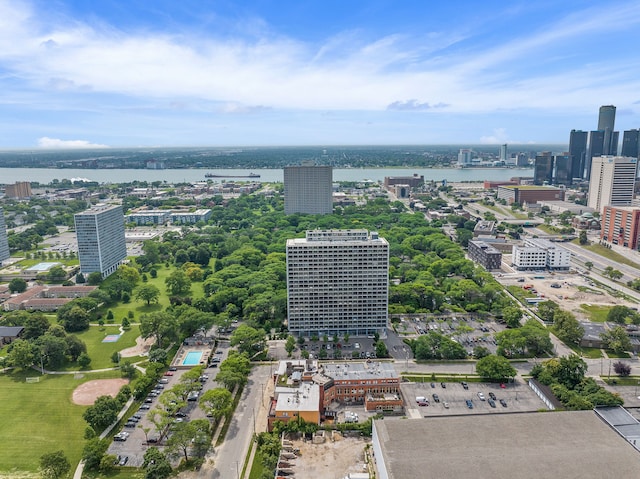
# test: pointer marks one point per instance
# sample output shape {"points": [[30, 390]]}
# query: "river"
{"points": [[46, 175]]}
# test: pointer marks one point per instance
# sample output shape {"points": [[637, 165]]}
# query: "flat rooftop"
{"points": [[359, 370], [566, 444]]}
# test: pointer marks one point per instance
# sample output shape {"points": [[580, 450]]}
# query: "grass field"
{"points": [[99, 352], [591, 353], [612, 255], [597, 314], [39, 418]]}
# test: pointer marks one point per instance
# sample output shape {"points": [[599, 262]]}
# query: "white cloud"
{"points": [[499, 137], [55, 143]]}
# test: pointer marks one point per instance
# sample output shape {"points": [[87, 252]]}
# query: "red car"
{"points": [[422, 403], [503, 386], [168, 373]]}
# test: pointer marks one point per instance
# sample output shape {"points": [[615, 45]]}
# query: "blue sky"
{"points": [[119, 73]]}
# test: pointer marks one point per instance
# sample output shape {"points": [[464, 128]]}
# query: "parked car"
{"points": [[423, 403], [130, 424], [163, 381], [436, 398], [446, 405], [444, 386], [123, 460], [145, 407], [168, 373], [503, 402], [469, 403], [481, 396], [119, 437], [492, 396], [492, 403], [173, 368], [433, 385], [464, 385]]}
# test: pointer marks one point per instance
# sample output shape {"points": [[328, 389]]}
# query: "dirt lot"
{"points": [[87, 393], [330, 460], [568, 295]]}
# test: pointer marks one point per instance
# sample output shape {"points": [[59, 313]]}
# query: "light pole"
{"points": [[237, 470]]}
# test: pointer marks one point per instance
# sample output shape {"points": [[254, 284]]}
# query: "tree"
{"points": [[616, 339], [622, 369], [148, 293], [80, 279], [381, 350], [94, 278], [496, 368], [619, 314], [480, 352], [35, 325], [129, 274], [21, 354], [17, 285], [184, 435], [93, 451], [217, 402], [57, 273], [248, 340], [74, 319], [546, 310], [290, 345], [103, 413], [54, 465], [588, 265], [159, 324], [156, 464], [178, 283], [234, 371], [84, 360], [582, 238], [512, 316], [567, 327]]}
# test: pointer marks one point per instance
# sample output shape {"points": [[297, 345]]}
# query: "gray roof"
{"points": [[10, 331], [567, 444]]}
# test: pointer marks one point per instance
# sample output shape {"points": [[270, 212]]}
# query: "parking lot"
{"points": [[452, 398], [136, 444]]}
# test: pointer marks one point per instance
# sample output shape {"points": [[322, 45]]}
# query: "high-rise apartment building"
{"points": [[504, 152], [4, 244], [101, 243], [308, 189], [612, 181], [621, 225], [631, 144], [464, 157], [337, 282], [20, 190], [543, 168], [578, 152]]}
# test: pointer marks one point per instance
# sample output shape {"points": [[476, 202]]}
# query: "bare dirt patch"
{"points": [[141, 348], [87, 393], [330, 459]]}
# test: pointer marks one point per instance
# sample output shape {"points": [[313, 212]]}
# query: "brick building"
{"points": [[621, 225]]}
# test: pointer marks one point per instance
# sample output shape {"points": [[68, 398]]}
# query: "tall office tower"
{"points": [[578, 152], [522, 159], [337, 282], [612, 181], [4, 244], [503, 153], [20, 190], [464, 157], [562, 175], [543, 168], [596, 149], [606, 123], [631, 144], [101, 243], [308, 189]]}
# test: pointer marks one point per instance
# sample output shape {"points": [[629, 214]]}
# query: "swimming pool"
{"points": [[192, 358]]}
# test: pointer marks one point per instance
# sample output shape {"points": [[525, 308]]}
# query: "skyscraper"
{"points": [[101, 243], [308, 189], [4, 244], [504, 153], [562, 175], [604, 140], [543, 168], [631, 144], [337, 282], [612, 181], [578, 152]]}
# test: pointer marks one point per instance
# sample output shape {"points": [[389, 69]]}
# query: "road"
{"points": [[229, 457]]}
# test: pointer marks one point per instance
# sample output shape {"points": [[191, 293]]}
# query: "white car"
{"points": [[481, 397]]}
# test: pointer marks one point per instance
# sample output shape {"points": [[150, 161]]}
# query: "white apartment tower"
{"points": [[4, 244], [464, 157], [612, 181], [101, 243], [308, 189], [338, 282]]}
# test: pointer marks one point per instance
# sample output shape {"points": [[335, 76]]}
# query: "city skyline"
{"points": [[116, 74]]}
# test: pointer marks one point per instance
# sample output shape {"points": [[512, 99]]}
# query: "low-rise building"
{"points": [[43, 298], [522, 194], [539, 253], [181, 217], [485, 255], [415, 181], [484, 227], [149, 217]]}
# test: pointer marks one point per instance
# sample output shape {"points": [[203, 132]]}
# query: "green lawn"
{"points": [[99, 352], [590, 353], [597, 313], [39, 418], [256, 468], [121, 310], [610, 254]]}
